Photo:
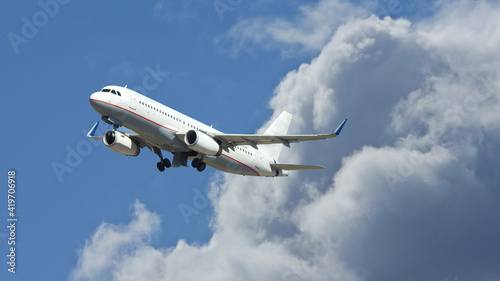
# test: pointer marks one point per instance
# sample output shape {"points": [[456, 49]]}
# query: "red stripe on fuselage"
{"points": [[241, 163], [169, 129], [135, 114]]}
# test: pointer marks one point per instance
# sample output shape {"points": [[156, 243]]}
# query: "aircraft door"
{"points": [[258, 161], [133, 99]]}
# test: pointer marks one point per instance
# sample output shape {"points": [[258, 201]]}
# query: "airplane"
{"points": [[161, 128]]}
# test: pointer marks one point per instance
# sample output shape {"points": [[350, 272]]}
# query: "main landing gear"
{"points": [[164, 162], [198, 164]]}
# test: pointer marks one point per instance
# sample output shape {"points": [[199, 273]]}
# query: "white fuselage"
{"points": [[159, 125]]}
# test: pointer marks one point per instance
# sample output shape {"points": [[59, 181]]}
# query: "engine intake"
{"points": [[202, 143], [121, 143]]}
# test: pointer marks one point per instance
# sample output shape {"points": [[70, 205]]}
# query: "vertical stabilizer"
{"points": [[278, 127]]}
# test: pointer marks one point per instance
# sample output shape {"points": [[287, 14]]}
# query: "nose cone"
{"points": [[93, 99], [97, 102]]}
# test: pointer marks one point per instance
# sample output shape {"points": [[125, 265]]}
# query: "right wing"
{"points": [[231, 140]]}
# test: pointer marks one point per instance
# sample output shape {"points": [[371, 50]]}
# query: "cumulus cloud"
{"points": [[412, 190], [110, 242], [308, 31]]}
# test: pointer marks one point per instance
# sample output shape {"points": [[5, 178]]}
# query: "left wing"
{"points": [[140, 141], [230, 140]]}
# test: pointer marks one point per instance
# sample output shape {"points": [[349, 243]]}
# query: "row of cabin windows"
{"points": [[166, 114], [243, 150], [111, 91], [177, 119], [159, 111], [194, 127]]}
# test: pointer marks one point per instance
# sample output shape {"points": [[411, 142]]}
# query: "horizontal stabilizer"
{"points": [[291, 167]]}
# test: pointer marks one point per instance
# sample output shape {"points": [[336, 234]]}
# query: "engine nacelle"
{"points": [[202, 143], [281, 173], [121, 143]]}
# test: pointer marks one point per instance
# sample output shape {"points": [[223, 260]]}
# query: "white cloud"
{"points": [[415, 196], [310, 89], [308, 31], [106, 247]]}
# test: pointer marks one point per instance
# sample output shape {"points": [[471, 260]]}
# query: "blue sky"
{"points": [[84, 47], [415, 157]]}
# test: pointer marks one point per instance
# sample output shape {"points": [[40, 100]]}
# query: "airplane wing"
{"points": [[140, 141], [231, 140]]}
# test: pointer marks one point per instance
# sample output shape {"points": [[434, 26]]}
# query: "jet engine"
{"points": [[121, 143], [281, 173], [202, 143]]}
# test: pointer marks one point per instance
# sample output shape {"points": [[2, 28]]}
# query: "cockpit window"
{"points": [[114, 92]]}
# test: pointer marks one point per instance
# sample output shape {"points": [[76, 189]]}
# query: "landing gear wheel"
{"points": [[201, 166], [196, 162], [166, 163], [160, 166]]}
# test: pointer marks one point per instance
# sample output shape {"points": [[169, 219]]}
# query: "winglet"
{"points": [[91, 133], [339, 128]]}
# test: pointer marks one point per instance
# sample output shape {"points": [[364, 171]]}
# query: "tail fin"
{"points": [[278, 127]]}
